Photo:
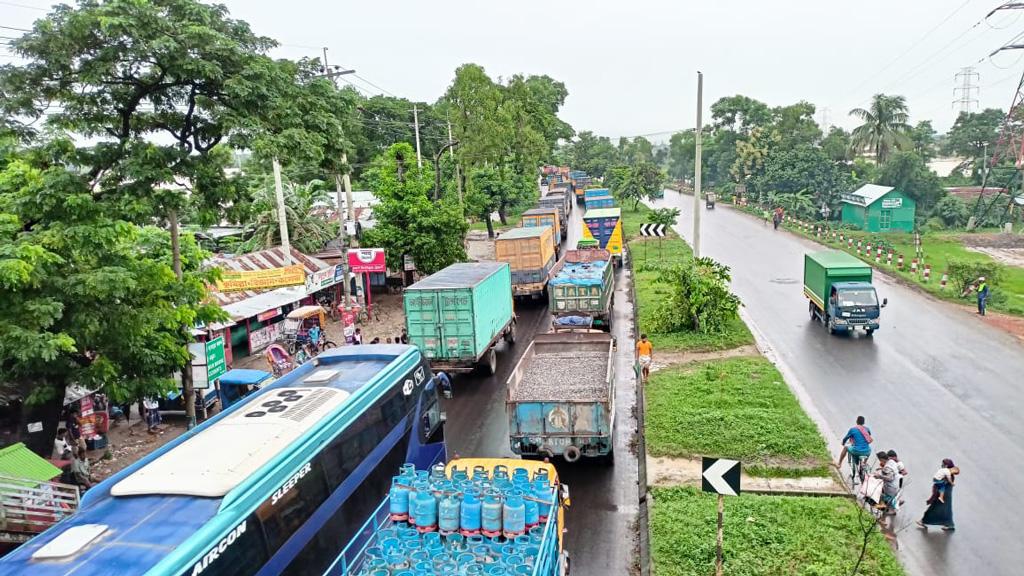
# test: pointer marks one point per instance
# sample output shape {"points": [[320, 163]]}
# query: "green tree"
{"points": [[740, 114], [952, 210], [908, 173], [408, 222], [973, 135], [923, 137], [644, 180], [836, 145], [595, 155], [802, 169], [308, 229], [87, 297], [885, 127], [794, 125], [682, 152], [665, 216], [699, 299]]}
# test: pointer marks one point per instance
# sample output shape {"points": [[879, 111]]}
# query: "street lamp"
{"points": [[437, 167]]}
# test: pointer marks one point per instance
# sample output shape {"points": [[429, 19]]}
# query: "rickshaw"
{"points": [[298, 323]]}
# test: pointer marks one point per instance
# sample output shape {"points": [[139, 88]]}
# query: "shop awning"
{"points": [[265, 301], [17, 461]]}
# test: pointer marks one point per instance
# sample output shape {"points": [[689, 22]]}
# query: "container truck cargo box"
{"points": [[841, 296], [531, 255], [457, 315], [547, 216], [594, 192], [605, 226], [595, 202]]}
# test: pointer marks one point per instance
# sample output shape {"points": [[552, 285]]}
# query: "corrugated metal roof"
{"points": [[17, 461], [262, 260], [867, 194]]}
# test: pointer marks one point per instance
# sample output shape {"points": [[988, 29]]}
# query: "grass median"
{"points": [[735, 408], [649, 292], [763, 536]]}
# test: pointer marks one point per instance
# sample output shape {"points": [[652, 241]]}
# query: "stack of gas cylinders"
{"points": [[477, 522]]}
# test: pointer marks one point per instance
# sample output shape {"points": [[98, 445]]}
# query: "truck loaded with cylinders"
{"points": [[561, 397], [580, 290], [841, 296]]}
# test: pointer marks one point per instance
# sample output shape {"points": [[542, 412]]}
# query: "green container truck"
{"points": [[838, 287], [457, 316], [580, 291]]}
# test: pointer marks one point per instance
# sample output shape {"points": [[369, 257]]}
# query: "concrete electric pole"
{"points": [[697, 167], [282, 214], [416, 125]]}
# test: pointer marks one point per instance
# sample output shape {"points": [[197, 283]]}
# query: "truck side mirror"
{"points": [[885, 302]]}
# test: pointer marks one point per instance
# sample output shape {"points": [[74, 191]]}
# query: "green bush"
{"points": [[963, 273], [699, 299]]}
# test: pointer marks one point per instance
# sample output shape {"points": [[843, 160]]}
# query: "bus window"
{"points": [[243, 553], [290, 506]]}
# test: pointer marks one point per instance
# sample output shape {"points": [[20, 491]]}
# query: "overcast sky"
{"points": [[630, 67]]}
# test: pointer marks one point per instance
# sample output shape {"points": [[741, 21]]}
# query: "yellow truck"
{"points": [[530, 253]]}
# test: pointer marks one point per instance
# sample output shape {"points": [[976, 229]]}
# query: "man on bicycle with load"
{"points": [[857, 442]]}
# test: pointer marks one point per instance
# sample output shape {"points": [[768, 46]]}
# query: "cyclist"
{"points": [[857, 442]]}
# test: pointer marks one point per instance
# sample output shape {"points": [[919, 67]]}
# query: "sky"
{"points": [[631, 67]]}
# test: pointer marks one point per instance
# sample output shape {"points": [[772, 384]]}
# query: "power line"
{"points": [[912, 46], [16, 5], [16, 29]]}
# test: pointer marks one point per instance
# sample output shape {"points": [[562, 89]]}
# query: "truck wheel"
{"points": [[869, 331], [609, 459], [510, 334], [814, 313], [490, 363], [828, 324]]}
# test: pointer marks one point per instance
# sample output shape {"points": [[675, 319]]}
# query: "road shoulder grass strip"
{"points": [[764, 536], [734, 408]]}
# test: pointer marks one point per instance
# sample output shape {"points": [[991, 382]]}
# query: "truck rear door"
{"points": [[455, 310]]}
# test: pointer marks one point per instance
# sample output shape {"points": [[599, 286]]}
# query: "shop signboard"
{"points": [[408, 264], [363, 260], [241, 280], [264, 316], [323, 278], [260, 339], [892, 202], [216, 365]]}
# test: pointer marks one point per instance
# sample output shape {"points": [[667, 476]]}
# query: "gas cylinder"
{"points": [[490, 514], [514, 514], [399, 498], [469, 517], [426, 510], [448, 512]]}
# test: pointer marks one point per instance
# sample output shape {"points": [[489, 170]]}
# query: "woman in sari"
{"points": [[940, 510]]}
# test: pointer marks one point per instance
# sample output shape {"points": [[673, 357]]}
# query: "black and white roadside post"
{"points": [[648, 230], [722, 477]]}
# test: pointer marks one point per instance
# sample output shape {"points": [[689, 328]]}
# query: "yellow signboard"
{"points": [[239, 280]]}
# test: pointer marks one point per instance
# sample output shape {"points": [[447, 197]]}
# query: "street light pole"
{"points": [[697, 168], [416, 125]]}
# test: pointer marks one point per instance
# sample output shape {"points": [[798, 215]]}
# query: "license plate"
{"points": [[557, 441]]}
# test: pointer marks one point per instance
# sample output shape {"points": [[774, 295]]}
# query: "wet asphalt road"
{"points": [[601, 520], [933, 382]]}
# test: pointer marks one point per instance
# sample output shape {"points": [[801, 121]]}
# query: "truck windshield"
{"points": [[858, 298]]}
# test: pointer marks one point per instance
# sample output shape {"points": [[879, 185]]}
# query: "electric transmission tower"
{"points": [[967, 89]]}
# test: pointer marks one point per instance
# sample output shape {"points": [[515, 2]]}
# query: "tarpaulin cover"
{"points": [[581, 273]]}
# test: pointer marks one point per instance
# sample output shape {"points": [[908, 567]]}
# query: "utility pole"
{"points": [[458, 174], [967, 89], [282, 214], [416, 124], [696, 169], [342, 183]]}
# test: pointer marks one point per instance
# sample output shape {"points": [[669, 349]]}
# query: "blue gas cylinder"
{"points": [[399, 498], [532, 508], [490, 514], [542, 491], [501, 471], [469, 517], [448, 511], [514, 514], [426, 510]]}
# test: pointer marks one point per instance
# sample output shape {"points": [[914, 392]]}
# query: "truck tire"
{"points": [[814, 311], [571, 454], [869, 331], [828, 324], [490, 362], [510, 334]]}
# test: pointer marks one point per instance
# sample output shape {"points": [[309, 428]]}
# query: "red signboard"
{"points": [[362, 260]]}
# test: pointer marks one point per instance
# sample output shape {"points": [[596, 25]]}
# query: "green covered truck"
{"points": [[458, 315], [840, 294]]}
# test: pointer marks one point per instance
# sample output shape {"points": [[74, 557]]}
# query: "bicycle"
{"points": [[858, 468]]}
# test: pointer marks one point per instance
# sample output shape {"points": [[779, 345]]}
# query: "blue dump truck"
{"points": [[473, 516], [561, 397], [458, 315], [838, 287]]}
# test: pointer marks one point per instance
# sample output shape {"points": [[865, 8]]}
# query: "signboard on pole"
{"points": [[408, 264], [722, 477], [216, 365], [366, 260], [241, 280]]}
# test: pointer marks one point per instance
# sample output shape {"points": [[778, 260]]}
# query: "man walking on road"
{"points": [[982, 295], [645, 354]]}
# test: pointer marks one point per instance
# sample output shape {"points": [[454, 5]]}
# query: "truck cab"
{"points": [[853, 305]]}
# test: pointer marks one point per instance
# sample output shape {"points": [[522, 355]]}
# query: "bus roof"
{"points": [[148, 518]]}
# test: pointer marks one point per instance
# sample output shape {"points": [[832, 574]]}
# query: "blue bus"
{"points": [[283, 482]]}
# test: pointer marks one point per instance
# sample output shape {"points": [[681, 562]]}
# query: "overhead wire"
{"points": [[16, 5]]}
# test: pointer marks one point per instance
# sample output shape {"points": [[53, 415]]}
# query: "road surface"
{"points": [[934, 382], [601, 531]]}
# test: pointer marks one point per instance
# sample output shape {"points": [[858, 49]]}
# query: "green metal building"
{"points": [[875, 208]]}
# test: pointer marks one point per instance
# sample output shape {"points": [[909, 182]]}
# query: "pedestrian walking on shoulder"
{"points": [[982, 295], [357, 338], [645, 354], [314, 339], [405, 336], [940, 510]]}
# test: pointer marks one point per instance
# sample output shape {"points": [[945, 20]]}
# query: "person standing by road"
{"points": [[856, 442], [74, 430], [889, 474], [645, 355], [940, 511], [982, 295], [314, 339]]}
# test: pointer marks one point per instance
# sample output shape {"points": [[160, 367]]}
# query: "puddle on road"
{"points": [[784, 281]]}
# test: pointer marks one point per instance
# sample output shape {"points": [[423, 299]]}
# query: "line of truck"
{"points": [[560, 397]]}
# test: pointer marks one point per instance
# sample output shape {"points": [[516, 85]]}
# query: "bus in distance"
{"points": [[283, 482]]}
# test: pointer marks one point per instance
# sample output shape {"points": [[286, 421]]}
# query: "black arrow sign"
{"points": [[652, 230], [720, 476]]}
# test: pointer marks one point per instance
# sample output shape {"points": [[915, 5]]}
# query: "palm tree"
{"points": [[884, 129], [308, 229]]}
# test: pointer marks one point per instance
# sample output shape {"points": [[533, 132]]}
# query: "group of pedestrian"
{"points": [[892, 471], [403, 338]]}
